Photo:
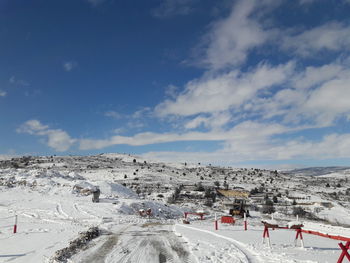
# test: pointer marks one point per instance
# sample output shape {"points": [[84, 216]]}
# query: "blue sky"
{"points": [[243, 83]]}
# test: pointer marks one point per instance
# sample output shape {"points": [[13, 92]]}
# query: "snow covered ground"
{"points": [[233, 244], [53, 206]]}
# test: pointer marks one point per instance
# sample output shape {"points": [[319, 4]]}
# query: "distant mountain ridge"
{"points": [[317, 171]]}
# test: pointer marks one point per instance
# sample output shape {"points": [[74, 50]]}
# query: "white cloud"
{"points": [[3, 93], [113, 114], [230, 39], [171, 91], [69, 65], [196, 122], [32, 127], [18, 82], [144, 112], [147, 138], [170, 8], [216, 93], [264, 149], [304, 97], [312, 76], [57, 139], [330, 100], [213, 122], [241, 131], [332, 36]]}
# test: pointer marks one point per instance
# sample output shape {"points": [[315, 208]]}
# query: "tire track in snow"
{"points": [[157, 245], [100, 255], [60, 213], [88, 213], [136, 244]]}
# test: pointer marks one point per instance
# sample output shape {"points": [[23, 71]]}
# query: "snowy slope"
{"points": [[50, 196]]}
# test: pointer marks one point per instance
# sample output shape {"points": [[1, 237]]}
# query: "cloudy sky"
{"points": [[235, 82]]}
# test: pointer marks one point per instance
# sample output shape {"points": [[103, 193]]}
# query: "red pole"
{"points": [[216, 223], [245, 222], [15, 226], [344, 252], [266, 235]]}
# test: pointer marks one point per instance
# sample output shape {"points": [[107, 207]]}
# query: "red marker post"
{"points": [[245, 222], [216, 222], [15, 226]]}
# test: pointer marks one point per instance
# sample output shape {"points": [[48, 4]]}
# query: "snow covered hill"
{"points": [[52, 199]]}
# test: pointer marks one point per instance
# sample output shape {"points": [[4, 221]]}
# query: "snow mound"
{"points": [[85, 185], [158, 209], [113, 189]]}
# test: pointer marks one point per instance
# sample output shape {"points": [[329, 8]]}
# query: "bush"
{"points": [[298, 210], [267, 209], [274, 199], [210, 194], [208, 203], [200, 187], [254, 191]]}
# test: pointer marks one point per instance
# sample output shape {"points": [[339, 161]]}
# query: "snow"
{"points": [[204, 240], [113, 189], [51, 213], [327, 229]]}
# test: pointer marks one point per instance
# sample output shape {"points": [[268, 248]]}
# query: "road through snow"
{"points": [[140, 244]]}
